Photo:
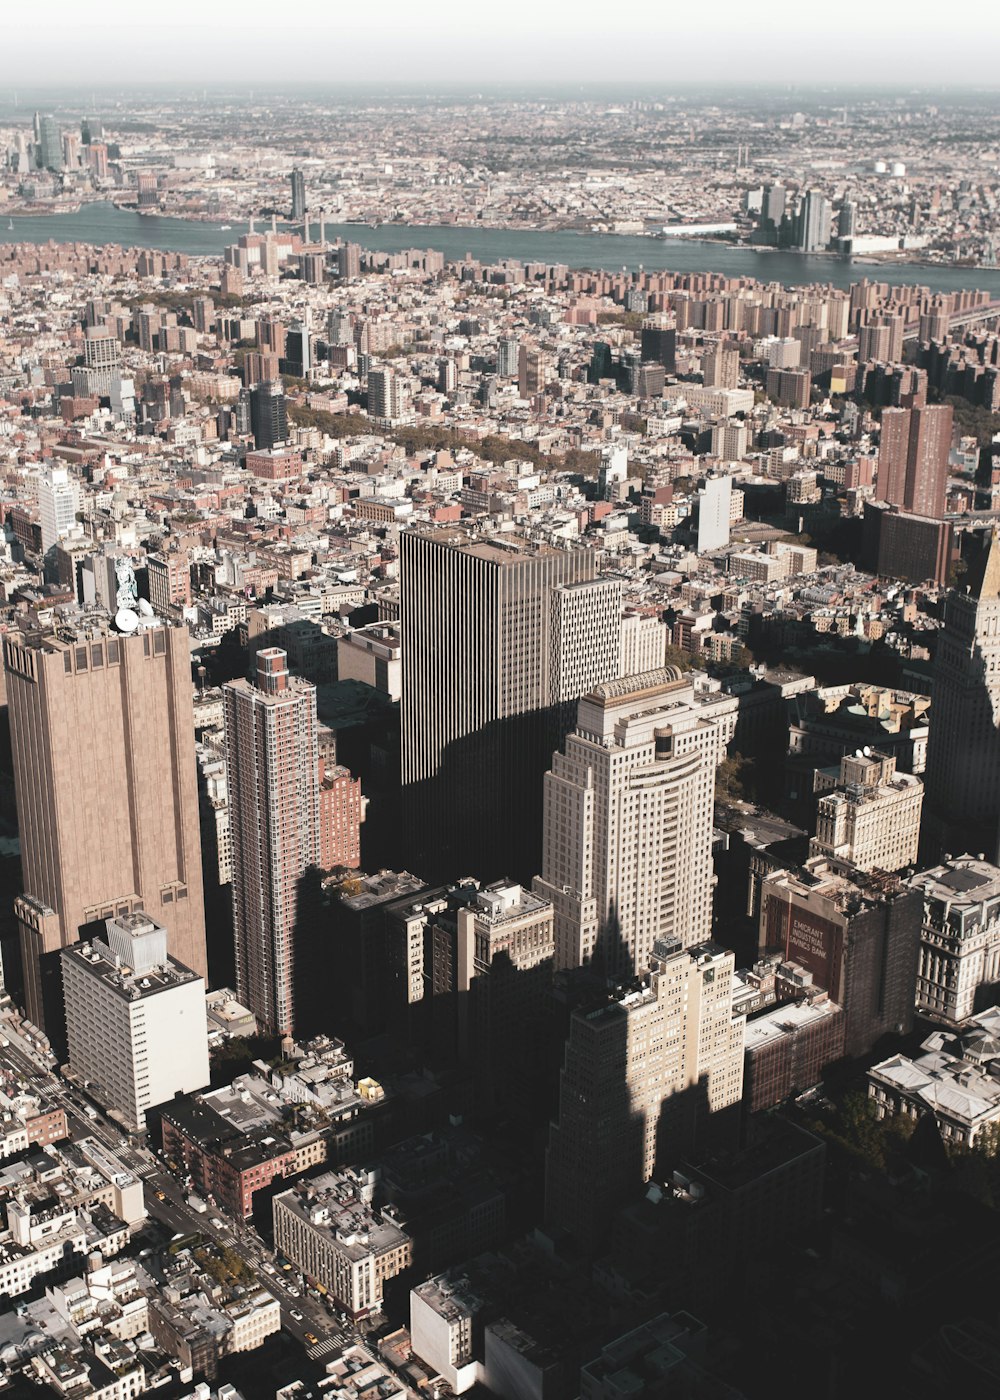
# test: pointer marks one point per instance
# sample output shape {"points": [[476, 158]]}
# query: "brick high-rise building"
{"points": [[491, 641], [642, 1076], [859, 938], [169, 580], [627, 845], [272, 772], [721, 368], [341, 812], [107, 795], [913, 458]]}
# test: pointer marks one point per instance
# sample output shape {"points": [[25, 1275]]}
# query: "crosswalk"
{"points": [[324, 1348]]}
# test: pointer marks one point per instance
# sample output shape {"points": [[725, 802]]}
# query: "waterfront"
{"points": [[103, 223]]}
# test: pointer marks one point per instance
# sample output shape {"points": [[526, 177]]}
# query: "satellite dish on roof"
{"points": [[145, 607], [126, 620], [867, 751]]}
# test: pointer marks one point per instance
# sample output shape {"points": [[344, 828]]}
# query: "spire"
{"points": [[984, 578]]}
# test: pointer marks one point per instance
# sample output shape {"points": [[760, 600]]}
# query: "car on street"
{"points": [[296, 1314]]}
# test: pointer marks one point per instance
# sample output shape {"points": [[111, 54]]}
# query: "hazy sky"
{"points": [[110, 42]]}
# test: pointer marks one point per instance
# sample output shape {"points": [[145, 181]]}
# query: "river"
{"points": [[103, 223]]}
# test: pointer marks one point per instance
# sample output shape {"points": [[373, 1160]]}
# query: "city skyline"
{"points": [[500, 709]]}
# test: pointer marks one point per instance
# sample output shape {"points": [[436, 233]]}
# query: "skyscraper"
{"points": [[642, 1074], [627, 842], [814, 223], [50, 151], [298, 183], [268, 414], [483, 689], [272, 766], [58, 503], [962, 806], [104, 767], [914, 447]]}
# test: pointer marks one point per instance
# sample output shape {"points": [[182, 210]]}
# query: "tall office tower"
{"points": [[847, 219], [627, 842], [483, 690], [914, 447], [868, 815], [58, 503], [814, 223], [386, 397], [962, 780], [658, 342], [272, 774], [508, 352], [773, 206], [107, 795], [100, 354], [50, 152], [643, 1074], [644, 642], [297, 180], [135, 1018], [268, 415], [721, 368]]}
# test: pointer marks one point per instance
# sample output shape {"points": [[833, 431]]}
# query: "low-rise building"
{"points": [[956, 1078]]}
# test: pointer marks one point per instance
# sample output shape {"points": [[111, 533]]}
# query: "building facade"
{"points": [[272, 776], [102, 733], [483, 687], [330, 1230], [960, 939], [628, 812], [135, 1018], [963, 750], [644, 1073], [871, 818]]}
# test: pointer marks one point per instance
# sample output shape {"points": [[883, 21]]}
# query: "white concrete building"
{"points": [[58, 503], [628, 809], [442, 1312], [135, 1018]]}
